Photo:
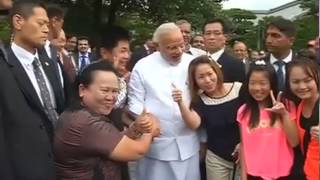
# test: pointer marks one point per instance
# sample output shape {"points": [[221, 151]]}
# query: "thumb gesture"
{"points": [[176, 94]]}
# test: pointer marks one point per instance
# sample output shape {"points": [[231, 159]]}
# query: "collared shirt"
{"points": [[150, 87], [86, 57], [286, 60], [122, 96], [215, 56], [47, 48], [26, 59], [196, 52]]}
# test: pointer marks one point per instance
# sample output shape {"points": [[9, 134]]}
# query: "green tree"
{"points": [[242, 25], [142, 16], [87, 17], [311, 5], [4, 31], [160, 11]]}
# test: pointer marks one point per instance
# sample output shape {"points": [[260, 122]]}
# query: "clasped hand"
{"points": [[148, 123]]}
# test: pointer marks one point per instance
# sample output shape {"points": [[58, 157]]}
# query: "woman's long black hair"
{"points": [[252, 105]]}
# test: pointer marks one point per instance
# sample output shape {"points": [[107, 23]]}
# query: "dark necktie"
{"points": [[280, 74], [83, 62], [44, 92]]}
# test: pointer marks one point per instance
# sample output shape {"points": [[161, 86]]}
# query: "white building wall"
{"points": [[289, 13]]}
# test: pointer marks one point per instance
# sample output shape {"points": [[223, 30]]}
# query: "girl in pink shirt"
{"points": [[268, 130]]}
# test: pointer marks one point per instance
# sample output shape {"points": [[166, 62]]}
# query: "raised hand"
{"points": [[176, 94], [278, 107]]}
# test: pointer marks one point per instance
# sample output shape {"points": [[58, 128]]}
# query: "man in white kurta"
{"points": [[175, 154]]}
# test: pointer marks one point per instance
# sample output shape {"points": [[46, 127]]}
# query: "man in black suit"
{"points": [[83, 57], [280, 36], [56, 19], [31, 98], [215, 37], [5, 170], [240, 51]]}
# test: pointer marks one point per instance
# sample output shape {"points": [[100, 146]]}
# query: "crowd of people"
{"points": [[184, 106]]}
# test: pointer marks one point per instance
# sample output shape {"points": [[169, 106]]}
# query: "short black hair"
{"points": [[196, 35], [54, 10], [285, 26], [111, 35], [225, 27], [86, 77], [80, 38], [25, 8], [68, 36]]}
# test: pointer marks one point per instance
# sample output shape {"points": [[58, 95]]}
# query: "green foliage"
{"points": [[240, 15], [160, 11], [307, 29], [242, 26], [4, 30], [86, 17], [311, 5]]}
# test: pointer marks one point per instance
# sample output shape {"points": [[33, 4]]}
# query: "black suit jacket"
{"points": [[50, 67], [26, 131], [66, 89], [6, 172], [232, 68]]}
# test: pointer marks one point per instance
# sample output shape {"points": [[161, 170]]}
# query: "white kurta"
{"points": [[150, 87]]}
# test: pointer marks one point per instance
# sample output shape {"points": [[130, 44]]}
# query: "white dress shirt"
{"points": [[48, 49], [150, 87], [286, 60], [215, 56], [86, 57], [26, 59]]}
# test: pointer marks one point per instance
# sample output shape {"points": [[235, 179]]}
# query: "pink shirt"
{"points": [[267, 152]]}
